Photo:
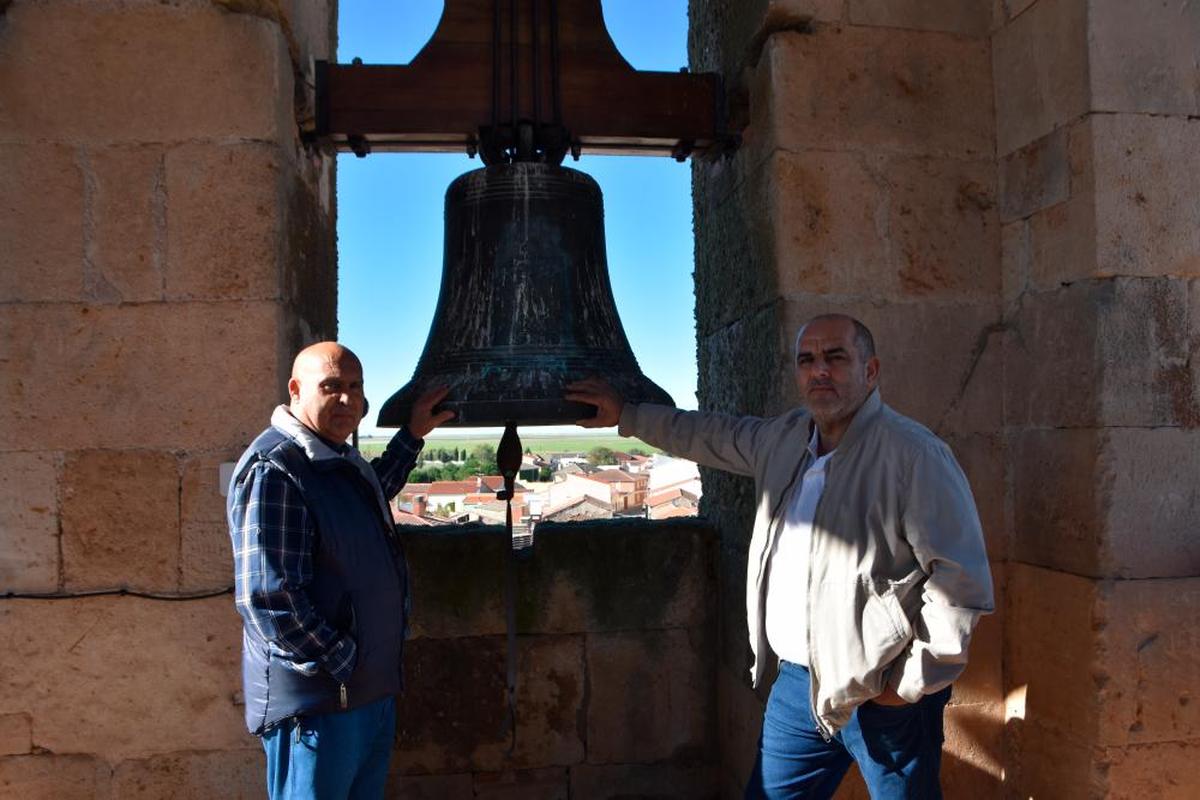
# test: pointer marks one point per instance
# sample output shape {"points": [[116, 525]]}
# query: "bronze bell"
{"points": [[525, 304]]}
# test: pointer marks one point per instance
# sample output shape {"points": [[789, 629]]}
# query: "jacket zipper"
{"points": [[343, 697]]}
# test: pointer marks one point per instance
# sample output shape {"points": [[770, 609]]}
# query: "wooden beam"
{"points": [[451, 89]]}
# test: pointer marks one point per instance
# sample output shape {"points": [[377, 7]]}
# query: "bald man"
{"points": [[866, 571], [321, 582]]}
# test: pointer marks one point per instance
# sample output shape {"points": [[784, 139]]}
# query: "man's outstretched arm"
{"points": [[398, 459]]}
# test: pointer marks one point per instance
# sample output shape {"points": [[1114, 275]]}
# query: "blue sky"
{"points": [[390, 210]]}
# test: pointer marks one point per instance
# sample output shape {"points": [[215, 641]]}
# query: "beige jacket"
{"points": [[899, 574]]}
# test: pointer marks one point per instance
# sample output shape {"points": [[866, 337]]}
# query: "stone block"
{"points": [[1120, 356], [29, 556], [224, 221], [1014, 8], [931, 357], [458, 581], [592, 578], [82, 377], [550, 702], [452, 715], [1149, 633], [201, 498], [205, 557], [1059, 517], [1146, 205], [733, 225], [951, 16], [1108, 503], [1016, 264], [120, 520], [982, 682], [430, 787], [534, 784], [973, 762], [1035, 176], [144, 72], [650, 697], [1104, 662], [942, 228], [1143, 57], [880, 90], [885, 227], [739, 723], [983, 460], [123, 677], [760, 351], [232, 774], [1045, 763], [781, 13], [41, 221], [1164, 771], [309, 254], [47, 776], [1054, 676], [1062, 243], [313, 36], [16, 734], [659, 781], [1040, 63], [127, 215]]}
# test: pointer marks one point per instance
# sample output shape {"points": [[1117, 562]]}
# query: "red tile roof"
{"points": [[405, 518], [610, 476]]}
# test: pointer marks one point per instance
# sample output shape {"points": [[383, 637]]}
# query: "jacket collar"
{"points": [[314, 446], [322, 455], [866, 413]]}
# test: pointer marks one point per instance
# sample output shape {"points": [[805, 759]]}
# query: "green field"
{"points": [[541, 444]]}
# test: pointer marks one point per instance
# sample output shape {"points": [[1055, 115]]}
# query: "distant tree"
{"points": [[483, 453], [600, 455], [637, 451], [426, 475], [545, 474], [445, 456]]}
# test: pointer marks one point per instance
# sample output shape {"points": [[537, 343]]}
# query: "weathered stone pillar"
{"points": [[1099, 149], [165, 243], [865, 184]]}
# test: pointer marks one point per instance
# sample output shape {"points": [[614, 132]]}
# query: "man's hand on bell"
{"points": [[597, 392], [424, 418]]}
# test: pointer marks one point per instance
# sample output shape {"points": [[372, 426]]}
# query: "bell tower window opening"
{"points": [[390, 231]]}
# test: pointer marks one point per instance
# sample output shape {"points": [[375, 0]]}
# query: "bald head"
{"points": [[326, 390], [316, 355], [863, 340]]}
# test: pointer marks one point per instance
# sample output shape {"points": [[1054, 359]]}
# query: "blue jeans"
{"points": [[898, 749], [339, 756]]}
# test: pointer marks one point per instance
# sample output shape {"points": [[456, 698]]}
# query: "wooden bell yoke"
{"points": [[520, 80]]}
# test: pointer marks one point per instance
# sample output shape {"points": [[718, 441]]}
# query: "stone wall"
{"points": [[165, 243], [865, 183], [1098, 148], [1004, 191], [617, 665]]}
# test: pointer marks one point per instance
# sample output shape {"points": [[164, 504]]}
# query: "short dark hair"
{"points": [[863, 340]]}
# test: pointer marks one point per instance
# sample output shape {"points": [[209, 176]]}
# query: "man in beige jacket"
{"points": [[866, 571]]}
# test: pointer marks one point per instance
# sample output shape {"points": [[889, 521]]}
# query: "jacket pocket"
{"points": [[287, 661], [886, 629]]}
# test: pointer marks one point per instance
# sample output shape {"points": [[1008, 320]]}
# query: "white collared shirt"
{"points": [[787, 567]]}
